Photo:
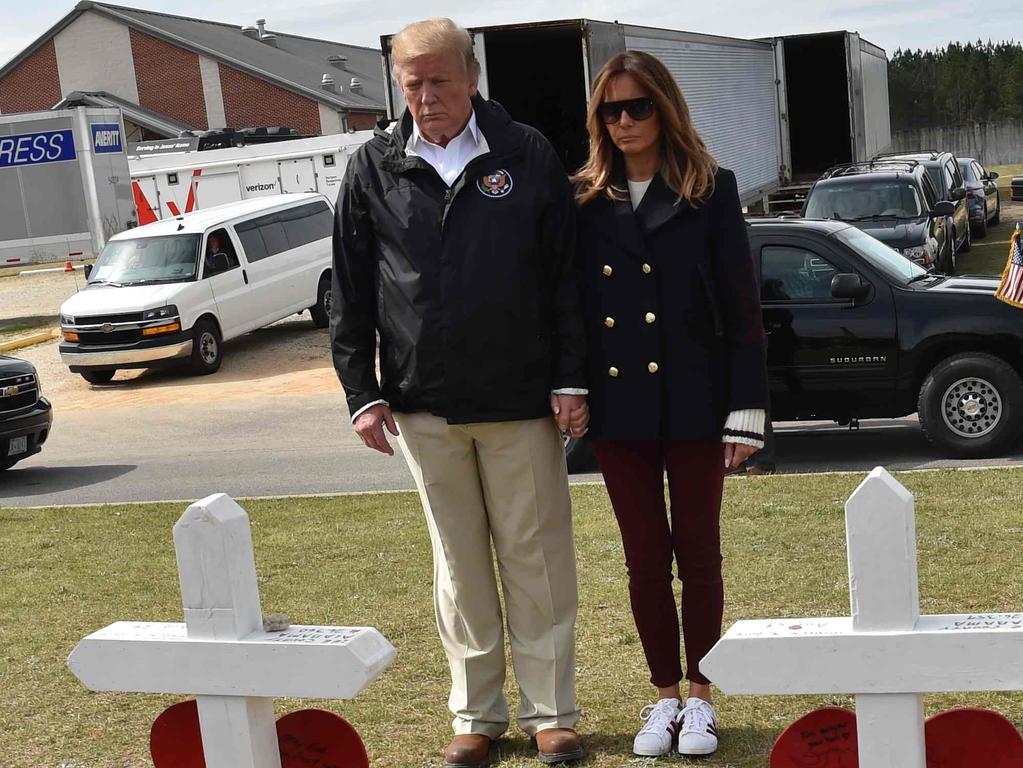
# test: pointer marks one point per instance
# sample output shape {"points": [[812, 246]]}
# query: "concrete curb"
{"points": [[28, 341]]}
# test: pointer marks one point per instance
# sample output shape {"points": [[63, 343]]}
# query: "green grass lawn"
{"points": [[365, 560], [989, 255]]}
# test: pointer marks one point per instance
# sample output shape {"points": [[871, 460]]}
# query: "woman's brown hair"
{"points": [[686, 165]]}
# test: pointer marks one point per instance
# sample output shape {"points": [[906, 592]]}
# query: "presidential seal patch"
{"points": [[495, 184]]}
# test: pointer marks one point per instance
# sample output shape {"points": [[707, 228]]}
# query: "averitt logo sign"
{"points": [[36, 148], [106, 137]]}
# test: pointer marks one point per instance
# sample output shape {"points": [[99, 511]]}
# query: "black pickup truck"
{"points": [[25, 415], [856, 330]]}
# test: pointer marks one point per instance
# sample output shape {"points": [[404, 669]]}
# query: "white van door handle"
{"points": [[245, 276]]}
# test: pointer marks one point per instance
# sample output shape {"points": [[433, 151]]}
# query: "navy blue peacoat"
{"points": [[675, 336]]}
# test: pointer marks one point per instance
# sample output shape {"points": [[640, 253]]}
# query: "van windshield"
{"points": [[171, 259], [859, 201]]}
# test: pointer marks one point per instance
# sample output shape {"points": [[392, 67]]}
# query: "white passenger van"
{"points": [[171, 292]]}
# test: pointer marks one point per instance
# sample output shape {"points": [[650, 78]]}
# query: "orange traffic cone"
{"points": [[68, 266]]}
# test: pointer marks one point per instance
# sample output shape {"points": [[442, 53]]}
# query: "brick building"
{"points": [[171, 73]]}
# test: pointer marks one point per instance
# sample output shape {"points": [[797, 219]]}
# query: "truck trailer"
{"points": [[751, 100], [64, 184], [172, 182]]}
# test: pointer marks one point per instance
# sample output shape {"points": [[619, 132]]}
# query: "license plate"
{"points": [[17, 445]]}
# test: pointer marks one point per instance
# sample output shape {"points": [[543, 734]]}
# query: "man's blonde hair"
{"points": [[432, 36]]}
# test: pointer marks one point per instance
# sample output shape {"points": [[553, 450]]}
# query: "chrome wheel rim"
{"points": [[328, 300], [971, 407], [208, 348]]}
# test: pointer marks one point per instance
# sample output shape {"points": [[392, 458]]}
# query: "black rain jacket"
{"points": [[473, 289]]}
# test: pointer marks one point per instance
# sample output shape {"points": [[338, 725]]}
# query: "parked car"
{"points": [[892, 200], [981, 195], [171, 292], [25, 415], [943, 168], [856, 331], [1016, 190]]}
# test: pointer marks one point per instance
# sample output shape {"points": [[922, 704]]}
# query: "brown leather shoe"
{"points": [[558, 745], [468, 750]]}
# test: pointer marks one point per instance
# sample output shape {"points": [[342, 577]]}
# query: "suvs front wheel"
{"points": [[207, 348], [971, 405], [98, 377]]}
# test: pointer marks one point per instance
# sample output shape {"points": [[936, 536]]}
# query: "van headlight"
{"points": [[159, 314]]}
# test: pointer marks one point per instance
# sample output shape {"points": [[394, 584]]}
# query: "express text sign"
{"points": [[26, 149]]}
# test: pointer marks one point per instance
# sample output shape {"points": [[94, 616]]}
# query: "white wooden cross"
{"points": [[221, 653], [885, 653]]}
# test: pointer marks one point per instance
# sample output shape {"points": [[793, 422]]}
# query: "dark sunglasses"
{"points": [[639, 109]]}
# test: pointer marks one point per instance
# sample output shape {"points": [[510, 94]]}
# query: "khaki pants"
{"points": [[504, 483]]}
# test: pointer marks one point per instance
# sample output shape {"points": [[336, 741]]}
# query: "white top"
{"points": [[636, 191], [451, 160]]}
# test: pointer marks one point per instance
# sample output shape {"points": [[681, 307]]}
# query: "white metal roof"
{"points": [[199, 221]]}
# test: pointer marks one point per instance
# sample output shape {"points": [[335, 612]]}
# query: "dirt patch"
{"points": [[290, 357], [36, 296]]}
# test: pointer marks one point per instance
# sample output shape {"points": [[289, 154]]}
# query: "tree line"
{"points": [[975, 82]]}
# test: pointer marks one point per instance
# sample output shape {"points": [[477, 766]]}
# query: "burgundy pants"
{"points": [[634, 473]]}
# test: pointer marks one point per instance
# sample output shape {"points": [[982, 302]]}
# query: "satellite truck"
{"points": [[778, 111], [64, 184]]}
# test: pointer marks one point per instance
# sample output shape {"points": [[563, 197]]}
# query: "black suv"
{"points": [[893, 201], [25, 415], [943, 168], [856, 331]]}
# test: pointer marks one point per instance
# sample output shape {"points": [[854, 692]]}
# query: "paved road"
{"points": [[273, 422], [302, 445]]}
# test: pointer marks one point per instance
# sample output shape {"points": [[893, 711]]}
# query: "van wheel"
{"points": [[207, 348], [320, 312], [971, 405], [98, 377]]}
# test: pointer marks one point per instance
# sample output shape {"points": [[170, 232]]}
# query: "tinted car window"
{"points": [[219, 255], [307, 223], [879, 255], [861, 200], [282, 230], [978, 171], [789, 273], [937, 179], [955, 177], [252, 241], [968, 171]]}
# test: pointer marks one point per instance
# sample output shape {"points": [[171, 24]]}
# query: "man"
{"points": [[454, 241]]}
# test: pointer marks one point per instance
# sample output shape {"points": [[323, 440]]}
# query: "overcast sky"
{"points": [[891, 24]]}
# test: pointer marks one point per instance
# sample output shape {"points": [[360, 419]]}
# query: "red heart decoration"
{"points": [[825, 738], [308, 738], [958, 738], [970, 737]]}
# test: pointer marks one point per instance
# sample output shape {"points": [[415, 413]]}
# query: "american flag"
{"points": [[1011, 289]]}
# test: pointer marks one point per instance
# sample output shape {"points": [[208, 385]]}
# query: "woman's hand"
{"points": [[737, 453]]}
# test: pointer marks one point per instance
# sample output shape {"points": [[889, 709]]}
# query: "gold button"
{"points": [[650, 317], [652, 367], [609, 322], [607, 270], [647, 269], [612, 371]]}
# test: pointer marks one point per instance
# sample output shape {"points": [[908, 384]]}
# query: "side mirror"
{"points": [[87, 269], [992, 175], [849, 285], [958, 193], [944, 208]]}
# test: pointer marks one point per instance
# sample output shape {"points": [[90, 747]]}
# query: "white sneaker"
{"points": [[659, 729], [697, 728]]}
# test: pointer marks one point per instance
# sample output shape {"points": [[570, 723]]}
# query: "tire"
{"points": [[967, 245], [320, 311], [981, 229], [578, 455], [997, 218], [98, 377], [947, 262], [971, 405], [207, 348]]}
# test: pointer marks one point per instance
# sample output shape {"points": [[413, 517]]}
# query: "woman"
{"points": [[677, 369]]}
